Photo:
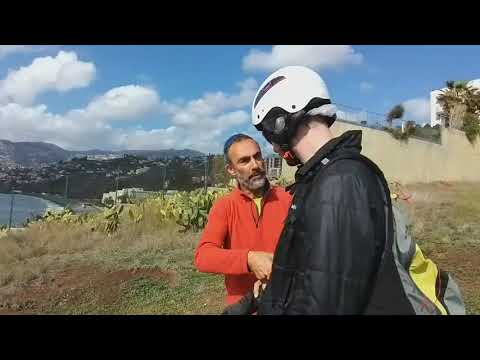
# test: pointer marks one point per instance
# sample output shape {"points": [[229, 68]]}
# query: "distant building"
{"points": [[436, 109], [273, 166], [123, 194], [104, 157], [142, 170]]}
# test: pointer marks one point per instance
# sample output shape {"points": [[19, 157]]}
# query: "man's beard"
{"points": [[253, 182]]}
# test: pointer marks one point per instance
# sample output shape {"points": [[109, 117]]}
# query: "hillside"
{"points": [[36, 154]]}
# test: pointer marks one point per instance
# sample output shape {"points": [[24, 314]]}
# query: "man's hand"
{"points": [[258, 288], [260, 263], [248, 304]]}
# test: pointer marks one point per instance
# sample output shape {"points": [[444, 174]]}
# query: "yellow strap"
{"points": [[424, 273]]}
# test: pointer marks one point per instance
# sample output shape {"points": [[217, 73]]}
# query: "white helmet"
{"points": [[287, 96]]}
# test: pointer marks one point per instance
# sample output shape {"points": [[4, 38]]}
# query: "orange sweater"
{"points": [[233, 229]]}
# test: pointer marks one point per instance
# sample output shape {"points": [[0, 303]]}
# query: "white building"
{"points": [[142, 170], [273, 166], [104, 157], [131, 193], [435, 108]]}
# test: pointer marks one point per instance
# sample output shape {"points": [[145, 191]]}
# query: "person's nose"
{"points": [[255, 164]]}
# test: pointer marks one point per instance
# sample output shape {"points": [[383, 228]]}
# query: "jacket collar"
{"points": [[350, 140]]}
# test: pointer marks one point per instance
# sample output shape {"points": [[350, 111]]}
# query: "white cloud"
{"points": [[198, 112], [417, 109], [79, 128], [123, 103], [61, 73], [200, 124], [150, 140], [203, 122], [248, 89], [206, 119], [318, 57], [365, 86], [19, 123]]}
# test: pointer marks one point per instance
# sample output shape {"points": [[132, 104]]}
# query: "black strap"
{"points": [[247, 305]]}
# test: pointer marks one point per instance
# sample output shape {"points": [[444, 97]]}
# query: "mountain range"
{"points": [[36, 154]]}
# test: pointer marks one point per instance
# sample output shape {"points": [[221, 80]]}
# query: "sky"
{"points": [[161, 97]]}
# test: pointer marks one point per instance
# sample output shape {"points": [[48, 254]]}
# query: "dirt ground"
{"points": [[71, 286]]}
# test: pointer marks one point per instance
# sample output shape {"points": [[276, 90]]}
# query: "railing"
{"points": [[362, 117], [377, 121]]}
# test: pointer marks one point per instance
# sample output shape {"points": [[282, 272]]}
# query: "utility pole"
{"points": [[206, 172], [66, 187], [116, 188], [164, 175], [11, 208]]}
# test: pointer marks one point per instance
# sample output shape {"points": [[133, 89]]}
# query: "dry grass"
{"points": [[42, 247], [58, 268], [445, 213], [26, 255]]}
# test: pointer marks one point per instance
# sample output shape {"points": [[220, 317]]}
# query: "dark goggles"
{"points": [[277, 121]]}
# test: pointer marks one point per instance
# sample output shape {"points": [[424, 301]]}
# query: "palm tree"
{"points": [[458, 94], [396, 113]]}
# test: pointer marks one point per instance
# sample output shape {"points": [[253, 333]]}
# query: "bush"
{"points": [[398, 134], [428, 133], [187, 209], [471, 126]]}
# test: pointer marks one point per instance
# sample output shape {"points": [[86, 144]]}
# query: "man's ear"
{"points": [[231, 171]]}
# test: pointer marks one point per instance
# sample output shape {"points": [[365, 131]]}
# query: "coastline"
{"points": [[55, 203]]}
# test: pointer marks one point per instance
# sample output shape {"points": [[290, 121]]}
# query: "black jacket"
{"points": [[330, 248]]}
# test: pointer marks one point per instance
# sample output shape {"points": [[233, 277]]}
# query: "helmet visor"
{"points": [[273, 124]]}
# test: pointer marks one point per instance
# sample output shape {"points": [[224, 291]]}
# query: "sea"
{"points": [[24, 207]]}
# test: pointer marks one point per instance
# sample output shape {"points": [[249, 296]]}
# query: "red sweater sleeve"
{"points": [[210, 256]]}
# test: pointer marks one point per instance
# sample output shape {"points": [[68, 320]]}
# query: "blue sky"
{"points": [[154, 97]]}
